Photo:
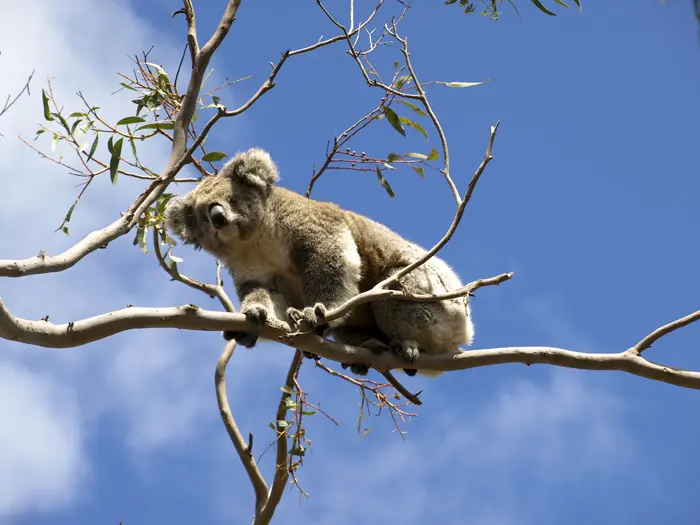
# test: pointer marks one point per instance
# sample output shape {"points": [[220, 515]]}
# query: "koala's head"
{"points": [[225, 207]]}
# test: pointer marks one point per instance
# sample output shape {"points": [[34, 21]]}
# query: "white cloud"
{"points": [[563, 427], [80, 45], [42, 456], [496, 463]]}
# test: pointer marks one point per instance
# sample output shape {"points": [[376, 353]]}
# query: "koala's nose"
{"points": [[218, 216]]}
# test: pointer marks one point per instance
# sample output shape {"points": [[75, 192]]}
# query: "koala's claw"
{"points": [[311, 317], [256, 314], [309, 355], [360, 370]]}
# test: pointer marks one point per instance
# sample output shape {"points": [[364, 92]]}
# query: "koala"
{"points": [[293, 259]]}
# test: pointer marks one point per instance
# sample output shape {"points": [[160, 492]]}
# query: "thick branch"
{"points": [[190, 317], [251, 467]]}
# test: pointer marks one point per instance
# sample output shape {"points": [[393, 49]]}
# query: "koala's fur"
{"points": [[294, 258]]}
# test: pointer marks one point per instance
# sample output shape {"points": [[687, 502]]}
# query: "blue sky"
{"points": [[591, 200]]}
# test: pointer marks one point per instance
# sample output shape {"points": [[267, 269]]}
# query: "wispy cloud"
{"points": [[42, 454]]}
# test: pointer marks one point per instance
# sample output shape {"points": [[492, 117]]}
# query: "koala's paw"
{"points": [[407, 350], [410, 372], [360, 370], [311, 318], [309, 355], [256, 314]]}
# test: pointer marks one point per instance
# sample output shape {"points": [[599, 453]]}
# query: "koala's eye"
{"points": [[218, 216]]}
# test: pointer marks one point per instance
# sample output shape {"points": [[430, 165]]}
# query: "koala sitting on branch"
{"points": [[293, 258]]}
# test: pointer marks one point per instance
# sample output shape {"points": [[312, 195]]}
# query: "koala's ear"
{"points": [[253, 168], [175, 217]]}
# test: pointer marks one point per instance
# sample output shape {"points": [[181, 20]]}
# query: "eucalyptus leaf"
{"points": [[213, 156], [385, 184], [114, 161], [45, 102], [130, 120], [394, 120]]}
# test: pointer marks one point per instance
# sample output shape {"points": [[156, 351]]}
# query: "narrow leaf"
{"points": [[45, 102], [114, 161], [163, 124], [413, 107], [393, 157], [385, 184], [213, 156], [287, 390], [433, 155], [393, 119], [282, 424], [415, 126], [416, 155], [402, 81], [93, 148], [462, 84], [418, 170], [130, 120], [70, 211], [560, 2], [542, 8]]}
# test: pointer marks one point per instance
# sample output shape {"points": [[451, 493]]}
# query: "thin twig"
{"points": [[281, 469]]}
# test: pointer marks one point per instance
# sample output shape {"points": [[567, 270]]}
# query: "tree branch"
{"points": [[178, 157], [281, 469], [190, 317], [249, 463], [662, 331]]}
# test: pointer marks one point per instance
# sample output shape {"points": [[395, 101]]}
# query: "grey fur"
{"points": [[295, 258]]}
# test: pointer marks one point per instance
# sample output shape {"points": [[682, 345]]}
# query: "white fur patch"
{"points": [[353, 261]]}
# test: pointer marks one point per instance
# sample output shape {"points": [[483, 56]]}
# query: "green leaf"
{"points": [[45, 102], [162, 124], [62, 121], [385, 184], [433, 155], [70, 211], [462, 84], [401, 81], [75, 125], [415, 126], [213, 156], [416, 156], [308, 413], [543, 8], [93, 148], [287, 390], [413, 107], [130, 120], [110, 144], [393, 119], [175, 259], [450, 2], [127, 86], [561, 3], [418, 170], [282, 424], [393, 157], [578, 3], [298, 451], [114, 161]]}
